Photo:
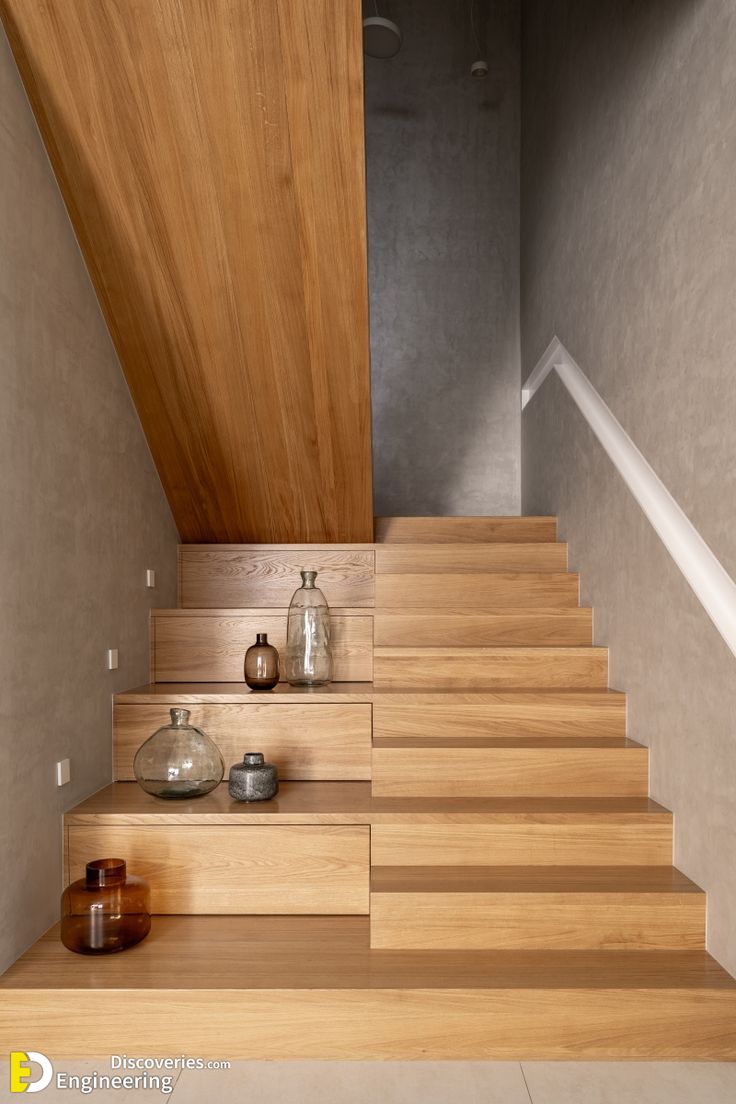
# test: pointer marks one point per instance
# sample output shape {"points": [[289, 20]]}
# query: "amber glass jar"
{"points": [[262, 664], [106, 911]]}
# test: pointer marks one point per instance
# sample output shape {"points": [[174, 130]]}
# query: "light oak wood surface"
{"points": [[446, 590], [492, 667], [210, 645], [533, 840], [211, 156], [459, 530], [471, 558], [255, 869], [265, 575], [519, 714], [534, 908], [410, 628], [583, 768], [310, 741], [310, 987], [353, 803]]}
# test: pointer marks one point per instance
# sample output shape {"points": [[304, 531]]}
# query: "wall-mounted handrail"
{"points": [[704, 573]]}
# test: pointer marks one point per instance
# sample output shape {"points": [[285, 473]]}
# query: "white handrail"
{"points": [[704, 573]]}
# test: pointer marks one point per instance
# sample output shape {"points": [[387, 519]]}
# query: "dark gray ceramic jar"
{"points": [[253, 779]]}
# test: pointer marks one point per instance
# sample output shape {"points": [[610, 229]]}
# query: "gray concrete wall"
{"points": [[443, 211], [629, 255], [83, 516]]}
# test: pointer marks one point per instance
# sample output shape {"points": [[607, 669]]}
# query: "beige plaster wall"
{"points": [[629, 255], [82, 515]]}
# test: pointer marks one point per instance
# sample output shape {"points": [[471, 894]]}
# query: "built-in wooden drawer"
{"points": [[236, 869], [306, 742]]}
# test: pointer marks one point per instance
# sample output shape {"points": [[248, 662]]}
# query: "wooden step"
{"points": [[535, 908], [209, 645], [281, 987], [471, 558], [532, 768], [413, 530], [417, 628], [304, 738], [249, 575], [462, 590], [477, 668], [513, 713]]}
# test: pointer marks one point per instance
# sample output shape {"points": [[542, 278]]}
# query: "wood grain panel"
{"points": [[571, 627], [241, 576], [453, 591], [259, 869], [636, 908], [310, 987], [211, 155], [304, 741], [209, 646], [468, 668], [413, 530], [457, 557], [529, 840], [466, 769]]}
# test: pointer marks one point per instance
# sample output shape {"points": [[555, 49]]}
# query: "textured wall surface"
{"points": [[629, 255], [443, 199], [83, 516]]}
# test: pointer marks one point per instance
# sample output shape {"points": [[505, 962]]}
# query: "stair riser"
{"points": [[571, 628], [210, 647], [493, 591], [306, 742], [473, 558], [464, 1022], [502, 668], [537, 921], [431, 530], [231, 576], [524, 842], [236, 870], [493, 715], [510, 772]]}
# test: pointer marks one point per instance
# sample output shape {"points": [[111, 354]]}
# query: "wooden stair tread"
{"points": [[531, 879], [306, 952], [350, 803], [491, 742], [235, 693]]}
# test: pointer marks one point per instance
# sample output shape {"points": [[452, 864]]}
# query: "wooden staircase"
{"points": [[462, 861]]}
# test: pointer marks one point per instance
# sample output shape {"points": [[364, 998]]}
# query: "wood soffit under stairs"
{"points": [[471, 807]]}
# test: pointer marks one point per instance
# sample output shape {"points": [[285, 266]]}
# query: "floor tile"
{"points": [[86, 1068], [631, 1082], [356, 1083]]}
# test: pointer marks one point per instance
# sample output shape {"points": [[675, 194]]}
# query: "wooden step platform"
{"points": [[490, 667], [477, 767], [463, 529], [532, 908], [311, 987], [417, 628]]}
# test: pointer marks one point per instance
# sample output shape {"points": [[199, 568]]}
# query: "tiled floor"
{"points": [[426, 1083]]}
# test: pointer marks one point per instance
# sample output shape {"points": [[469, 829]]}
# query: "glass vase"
{"points": [[308, 655], [261, 668], [178, 761], [105, 911]]}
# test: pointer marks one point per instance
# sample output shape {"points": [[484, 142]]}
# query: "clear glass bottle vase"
{"points": [[308, 654]]}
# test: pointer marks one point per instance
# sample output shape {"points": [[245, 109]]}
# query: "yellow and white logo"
{"points": [[21, 1072]]}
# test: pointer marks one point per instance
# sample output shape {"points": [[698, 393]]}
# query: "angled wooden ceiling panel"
{"points": [[211, 156]]}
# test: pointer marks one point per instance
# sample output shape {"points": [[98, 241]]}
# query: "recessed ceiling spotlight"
{"points": [[479, 69], [381, 37]]}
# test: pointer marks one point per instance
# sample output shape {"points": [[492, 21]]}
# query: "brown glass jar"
{"points": [[262, 664], [106, 911]]}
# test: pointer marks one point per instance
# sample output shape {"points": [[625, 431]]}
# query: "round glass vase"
{"points": [[178, 761], [308, 654], [261, 667], [105, 911]]}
